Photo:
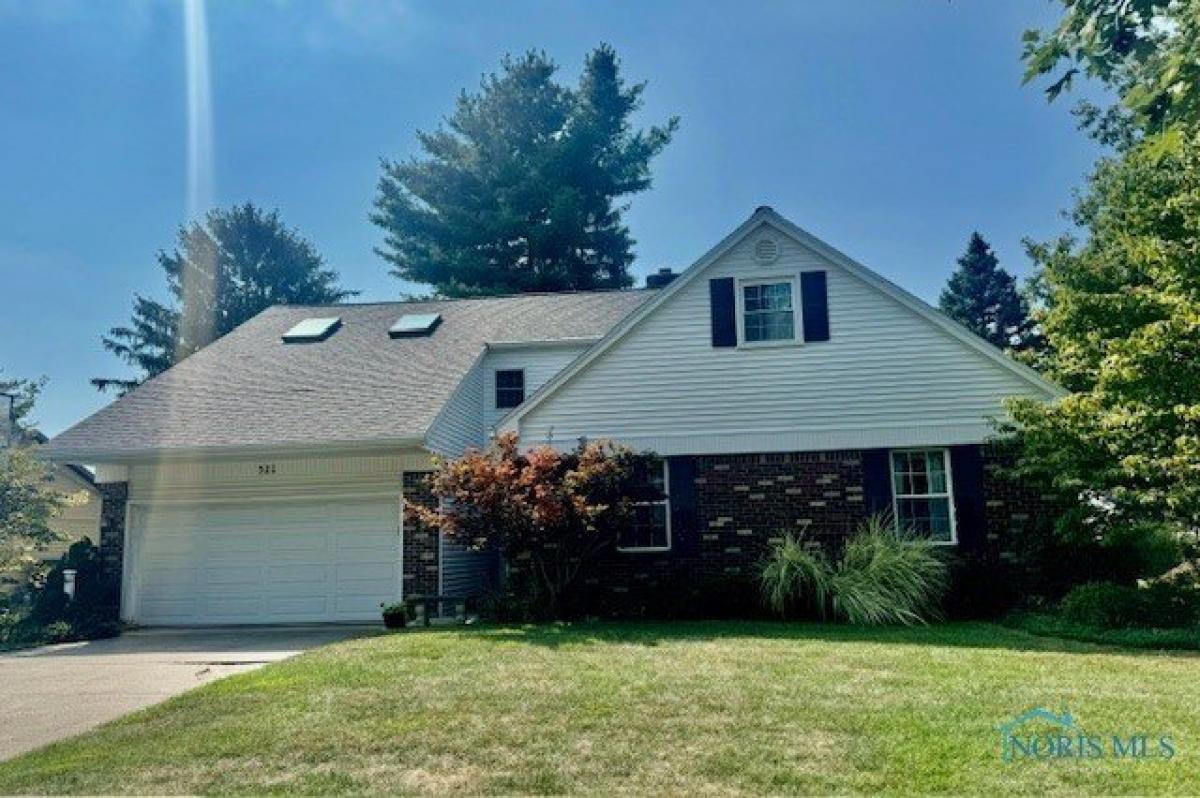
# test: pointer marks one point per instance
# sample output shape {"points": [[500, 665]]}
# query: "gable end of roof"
{"points": [[767, 215]]}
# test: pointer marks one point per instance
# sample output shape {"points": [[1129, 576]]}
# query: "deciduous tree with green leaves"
{"points": [[1123, 320], [1121, 308], [519, 190], [1144, 50], [26, 501], [227, 268], [984, 298]]}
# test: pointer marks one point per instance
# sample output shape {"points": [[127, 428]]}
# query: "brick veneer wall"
{"points": [[745, 502], [1012, 508], [420, 541], [113, 496]]}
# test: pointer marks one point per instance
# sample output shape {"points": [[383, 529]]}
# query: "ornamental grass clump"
{"points": [[796, 575], [883, 576]]}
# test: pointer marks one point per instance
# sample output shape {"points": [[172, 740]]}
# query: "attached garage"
{"points": [[265, 561]]}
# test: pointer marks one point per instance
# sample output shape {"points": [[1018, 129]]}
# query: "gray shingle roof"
{"points": [[357, 387]]}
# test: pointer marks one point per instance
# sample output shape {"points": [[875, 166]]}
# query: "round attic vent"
{"points": [[766, 250]]}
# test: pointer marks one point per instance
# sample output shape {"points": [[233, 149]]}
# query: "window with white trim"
{"points": [[922, 493], [650, 528], [510, 388], [768, 310]]}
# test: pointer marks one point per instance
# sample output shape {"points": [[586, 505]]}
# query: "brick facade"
{"points": [[420, 542], [740, 504], [744, 502], [113, 496]]}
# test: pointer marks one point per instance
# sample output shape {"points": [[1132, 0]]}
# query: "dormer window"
{"points": [[768, 311], [510, 388]]}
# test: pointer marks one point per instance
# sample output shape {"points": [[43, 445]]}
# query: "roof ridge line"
{"points": [[446, 300]]}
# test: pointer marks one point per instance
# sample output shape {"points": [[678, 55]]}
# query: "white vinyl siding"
{"points": [[540, 363], [887, 377], [460, 424]]}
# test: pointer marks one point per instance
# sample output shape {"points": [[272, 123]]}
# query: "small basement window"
{"points": [[510, 388], [312, 330], [768, 311], [922, 493], [651, 526], [411, 325]]}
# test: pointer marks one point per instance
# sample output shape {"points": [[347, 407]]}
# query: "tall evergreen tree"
{"points": [[519, 190], [983, 297], [230, 267]]}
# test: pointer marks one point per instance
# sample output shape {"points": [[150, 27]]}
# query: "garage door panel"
{"points": [[314, 575], [171, 592], [298, 606], [265, 562], [156, 576], [168, 546], [172, 610], [231, 608], [228, 545], [363, 541], [352, 607], [370, 573], [231, 575], [313, 539]]}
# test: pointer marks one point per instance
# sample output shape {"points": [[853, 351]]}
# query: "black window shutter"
{"points": [[877, 481], [681, 476], [970, 516], [724, 316], [814, 302]]}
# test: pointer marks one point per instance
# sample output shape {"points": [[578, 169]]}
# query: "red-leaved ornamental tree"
{"points": [[555, 511]]}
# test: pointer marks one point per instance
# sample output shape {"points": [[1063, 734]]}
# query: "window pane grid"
{"points": [[650, 526], [921, 488], [510, 388], [767, 312]]}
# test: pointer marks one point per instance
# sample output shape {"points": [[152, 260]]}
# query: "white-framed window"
{"points": [[769, 311], [510, 388], [923, 493], [650, 529]]}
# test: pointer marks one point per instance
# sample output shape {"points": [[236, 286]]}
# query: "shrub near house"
{"points": [[549, 513]]}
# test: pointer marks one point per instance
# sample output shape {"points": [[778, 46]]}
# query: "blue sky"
{"points": [[891, 129]]}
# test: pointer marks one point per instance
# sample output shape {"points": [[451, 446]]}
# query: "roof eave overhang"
{"points": [[151, 454]]}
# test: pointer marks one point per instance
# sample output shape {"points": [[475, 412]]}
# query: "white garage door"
{"points": [[264, 562]]}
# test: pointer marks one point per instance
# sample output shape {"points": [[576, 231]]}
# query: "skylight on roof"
{"points": [[312, 330], [414, 324]]}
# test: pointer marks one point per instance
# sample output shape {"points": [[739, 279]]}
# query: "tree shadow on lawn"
{"points": [[975, 634]]}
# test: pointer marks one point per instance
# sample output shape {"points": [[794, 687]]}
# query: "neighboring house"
{"points": [[78, 516], [784, 386]]}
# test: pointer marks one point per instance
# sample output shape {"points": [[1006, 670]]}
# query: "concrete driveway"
{"points": [[53, 692]]}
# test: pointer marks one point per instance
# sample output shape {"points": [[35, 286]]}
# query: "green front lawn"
{"points": [[664, 708]]}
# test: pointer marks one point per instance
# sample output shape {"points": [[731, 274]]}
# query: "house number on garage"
{"points": [[268, 468]]}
